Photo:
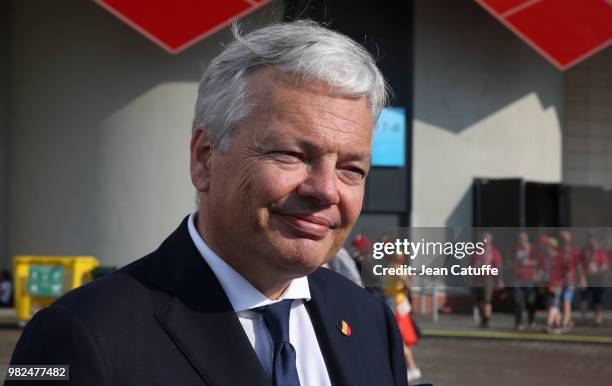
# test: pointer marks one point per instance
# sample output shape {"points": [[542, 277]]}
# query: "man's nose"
{"points": [[321, 183]]}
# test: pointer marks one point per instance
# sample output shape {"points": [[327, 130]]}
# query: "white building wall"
{"points": [[485, 105], [98, 160], [587, 142]]}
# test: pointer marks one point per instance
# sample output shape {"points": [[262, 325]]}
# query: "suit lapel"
{"points": [[199, 317], [214, 343], [341, 352]]}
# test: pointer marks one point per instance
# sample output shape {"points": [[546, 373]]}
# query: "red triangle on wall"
{"points": [[177, 24], [563, 31]]}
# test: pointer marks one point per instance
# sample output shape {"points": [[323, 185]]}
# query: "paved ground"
{"points": [[454, 351], [479, 362]]}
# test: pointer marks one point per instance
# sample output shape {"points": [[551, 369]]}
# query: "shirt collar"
{"points": [[241, 294]]}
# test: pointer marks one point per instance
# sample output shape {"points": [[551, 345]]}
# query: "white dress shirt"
{"points": [[244, 297]]}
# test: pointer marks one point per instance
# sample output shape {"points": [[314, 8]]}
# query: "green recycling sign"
{"points": [[46, 280]]}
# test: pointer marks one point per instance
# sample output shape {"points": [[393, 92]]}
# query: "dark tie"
{"points": [[276, 316]]}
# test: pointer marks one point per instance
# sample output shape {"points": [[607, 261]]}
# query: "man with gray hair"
{"points": [[280, 151]]}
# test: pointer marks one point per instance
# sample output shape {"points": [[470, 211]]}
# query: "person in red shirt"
{"points": [[524, 261], [567, 270], [594, 263], [484, 285], [551, 278]]}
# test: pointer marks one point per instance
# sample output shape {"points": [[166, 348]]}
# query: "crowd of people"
{"points": [[554, 269], [551, 270]]}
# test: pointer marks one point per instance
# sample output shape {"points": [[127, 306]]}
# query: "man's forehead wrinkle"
{"points": [[308, 134], [279, 83], [339, 123]]}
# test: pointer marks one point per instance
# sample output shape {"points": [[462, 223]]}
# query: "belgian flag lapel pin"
{"points": [[343, 327]]}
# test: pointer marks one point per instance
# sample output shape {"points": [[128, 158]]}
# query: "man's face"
{"points": [[287, 192]]}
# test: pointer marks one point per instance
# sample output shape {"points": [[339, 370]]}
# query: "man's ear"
{"points": [[200, 162]]}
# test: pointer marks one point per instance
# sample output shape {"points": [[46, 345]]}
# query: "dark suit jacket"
{"points": [[165, 320]]}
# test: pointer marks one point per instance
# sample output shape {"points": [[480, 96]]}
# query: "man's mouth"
{"points": [[309, 225]]}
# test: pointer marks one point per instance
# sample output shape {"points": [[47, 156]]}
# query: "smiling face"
{"points": [[284, 196]]}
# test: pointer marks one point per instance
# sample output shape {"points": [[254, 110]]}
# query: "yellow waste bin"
{"points": [[39, 280]]}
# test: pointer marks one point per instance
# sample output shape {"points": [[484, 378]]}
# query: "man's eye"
{"points": [[354, 172], [287, 156]]}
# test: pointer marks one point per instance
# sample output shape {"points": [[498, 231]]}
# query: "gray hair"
{"points": [[301, 47]]}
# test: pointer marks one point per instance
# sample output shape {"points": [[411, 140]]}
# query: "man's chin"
{"points": [[303, 261], [298, 253]]}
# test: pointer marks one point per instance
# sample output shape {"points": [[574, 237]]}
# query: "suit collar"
{"points": [[199, 317]]}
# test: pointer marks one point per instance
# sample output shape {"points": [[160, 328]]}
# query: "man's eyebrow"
{"points": [[274, 138], [358, 156]]}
